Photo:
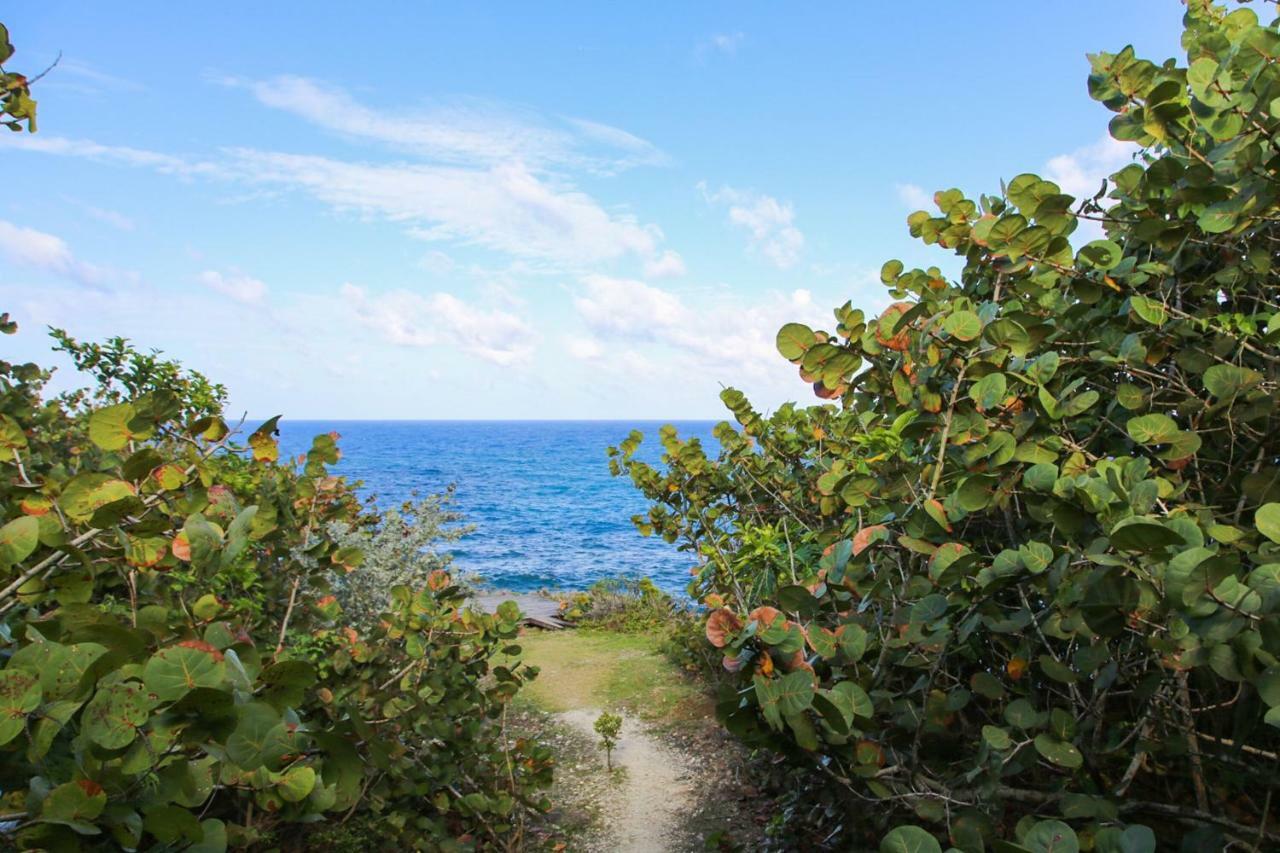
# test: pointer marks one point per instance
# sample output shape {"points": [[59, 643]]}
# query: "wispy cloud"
{"points": [[114, 218], [79, 76], [506, 208], [410, 319], [468, 131], [235, 285], [48, 253], [721, 43], [122, 155], [668, 265], [769, 222]]}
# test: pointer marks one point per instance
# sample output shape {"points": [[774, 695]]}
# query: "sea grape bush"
{"points": [[1018, 582], [175, 669], [18, 106]]}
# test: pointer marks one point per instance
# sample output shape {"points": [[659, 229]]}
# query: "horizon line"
{"points": [[286, 418]]}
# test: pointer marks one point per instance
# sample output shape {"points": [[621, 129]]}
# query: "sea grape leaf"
{"points": [[171, 672]]}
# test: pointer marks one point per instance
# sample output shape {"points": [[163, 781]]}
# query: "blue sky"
{"points": [[562, 210]]}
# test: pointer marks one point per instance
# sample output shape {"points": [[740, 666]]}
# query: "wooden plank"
{"points": [[538, 611]]}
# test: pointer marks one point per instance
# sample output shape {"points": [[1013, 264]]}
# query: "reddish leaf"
{"points": [[181, 547], [202, 646], [720, 625], [901, 337], [864, 538], [764, 616], [90, 787]]}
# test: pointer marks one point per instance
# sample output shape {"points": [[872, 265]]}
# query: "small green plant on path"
{"points": [[608, 726]]}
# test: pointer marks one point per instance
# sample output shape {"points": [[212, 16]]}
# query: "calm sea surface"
{"points": [[546, 510]]}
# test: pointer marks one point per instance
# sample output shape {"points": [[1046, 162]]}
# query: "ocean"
{"points": [[546, 510]]}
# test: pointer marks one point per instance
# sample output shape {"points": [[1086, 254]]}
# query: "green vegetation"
{"points": [[608, 726], [1016, 585], [177, 670], [610, 670], [402, 547], [15, 91], [619, 604]]}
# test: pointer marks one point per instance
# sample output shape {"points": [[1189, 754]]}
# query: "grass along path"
{"points": [[653, 799]]}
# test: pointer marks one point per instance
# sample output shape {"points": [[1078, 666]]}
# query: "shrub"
{"points": [[397, 547], [620, 604], [1027, 585], [176, 667]]}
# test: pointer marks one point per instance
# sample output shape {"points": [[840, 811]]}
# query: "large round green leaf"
{"points": [[1141, 534], [296, 783], [1051, 836], [1149, 310], [86, 493], [18, 539], [19, 696], [1059, 752], [213, 838], [1267, 520], [909, 839], [1227, 380], [262, 738], [1152, 429], [976, 492], [74, 802], [173, 671], [113, 715], [989, 391], [963, 325], [1101, 254], [997, 737], [794, 339], [109, 427]]}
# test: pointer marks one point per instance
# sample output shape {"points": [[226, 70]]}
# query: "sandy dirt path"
{"points": [[646, 811]]}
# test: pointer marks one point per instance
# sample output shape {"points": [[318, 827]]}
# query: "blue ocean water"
{"points": [[546, 510]]}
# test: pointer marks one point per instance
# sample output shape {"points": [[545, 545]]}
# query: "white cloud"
{"points": [[726, 43], [1081, 172], [769, 222], [668, 265], [506, 208], [913, 196], [461, 132], [411, 319], [118, 154], [235, 285], [79, 76], [46, 252], [584, 349], [114, 218], [713, 336]]}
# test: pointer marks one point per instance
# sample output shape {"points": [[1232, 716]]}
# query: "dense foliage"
{"points": [[402, 547], [177, 671], [620, 604], [1020, 578]]}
